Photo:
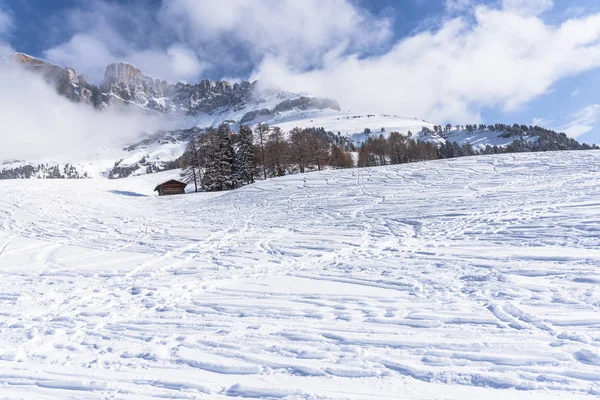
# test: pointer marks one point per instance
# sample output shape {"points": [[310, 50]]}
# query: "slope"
{"points": [[463, 279]]}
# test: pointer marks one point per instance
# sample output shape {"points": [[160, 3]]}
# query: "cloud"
{"points": [[182, 39], [6, 23], [86, 52], [541, 122], [6, 28], [528, 7], [583, 121], [502, 60], [59, 126], [301, 32], [498, 56], [103, 32], [455, 6]]}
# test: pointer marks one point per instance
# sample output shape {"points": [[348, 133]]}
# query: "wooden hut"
{"points": [[170, 187]]}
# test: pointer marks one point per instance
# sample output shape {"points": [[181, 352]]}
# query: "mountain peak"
{"points": [[121, 72], [124, 85]]}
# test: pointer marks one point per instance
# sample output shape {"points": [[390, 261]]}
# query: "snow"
{"points": [[346, 122], [479, 139], [470, 278]]}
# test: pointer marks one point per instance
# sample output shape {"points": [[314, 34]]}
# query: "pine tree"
{"points": [[219, 160], [244, 167]]}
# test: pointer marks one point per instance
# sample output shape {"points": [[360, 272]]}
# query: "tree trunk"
{"points": [[195, 180]]}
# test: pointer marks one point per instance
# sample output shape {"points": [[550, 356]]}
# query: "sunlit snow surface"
{"points": [[473, 278]]}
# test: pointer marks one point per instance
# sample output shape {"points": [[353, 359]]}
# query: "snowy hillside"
{"points": [[471, 278], [194, 107]]}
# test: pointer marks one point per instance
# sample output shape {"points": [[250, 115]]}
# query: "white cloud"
{"points": [[105, 32], [185, 37], [541, 122], [301, 32], [583, 121], [6, 21], [86, 52], [528, 7], [6, 27], [60, 127], [503, 60], [454, 6], [500, 56]]}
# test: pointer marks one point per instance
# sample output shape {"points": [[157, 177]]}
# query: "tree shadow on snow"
{"points": [[125, 193]]}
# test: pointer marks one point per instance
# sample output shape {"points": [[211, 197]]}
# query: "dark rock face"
{"points": [[208, 96], [65, 80], [307, 103], [126, 86], [252, 115]]}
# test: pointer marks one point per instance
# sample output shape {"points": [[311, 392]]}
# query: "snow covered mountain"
{"points": [[207, 104]]}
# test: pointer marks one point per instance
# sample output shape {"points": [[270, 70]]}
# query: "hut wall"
{"points": [[169, 189]]}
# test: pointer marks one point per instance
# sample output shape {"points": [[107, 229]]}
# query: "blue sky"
{"points": [[459, 61]]}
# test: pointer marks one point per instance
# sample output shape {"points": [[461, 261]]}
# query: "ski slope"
{"points": [[471, 278]]}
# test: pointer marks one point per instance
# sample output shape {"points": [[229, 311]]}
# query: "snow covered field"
{"points": [[472, 278]]}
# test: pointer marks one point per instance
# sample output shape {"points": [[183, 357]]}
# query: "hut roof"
{"points": [[172, 181]]}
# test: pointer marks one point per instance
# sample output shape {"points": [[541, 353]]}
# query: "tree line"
{"points": [[220, 159], [42, 171]]}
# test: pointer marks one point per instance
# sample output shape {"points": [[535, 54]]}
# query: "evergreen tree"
{"points": [[244, 167], [219, 160], [457, 150]]}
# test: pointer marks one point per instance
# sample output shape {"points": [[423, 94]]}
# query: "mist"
{"points": [[36, 122]]}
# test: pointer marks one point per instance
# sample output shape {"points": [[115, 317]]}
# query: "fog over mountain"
{"points": [[43, 119]]}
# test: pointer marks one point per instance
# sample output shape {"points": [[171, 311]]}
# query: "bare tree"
{"points": [[299, 148], [191, 164], [261, 132], [276, 152]]}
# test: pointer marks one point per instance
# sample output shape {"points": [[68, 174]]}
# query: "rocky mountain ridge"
{"points": [[124, 85]]}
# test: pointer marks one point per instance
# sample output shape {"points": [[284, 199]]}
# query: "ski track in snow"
{"points": [[468, 278]]}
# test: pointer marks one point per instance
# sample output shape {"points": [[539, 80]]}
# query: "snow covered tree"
{"points": [[219, 160], [457, 150], [468, 150], [244, 167]]}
